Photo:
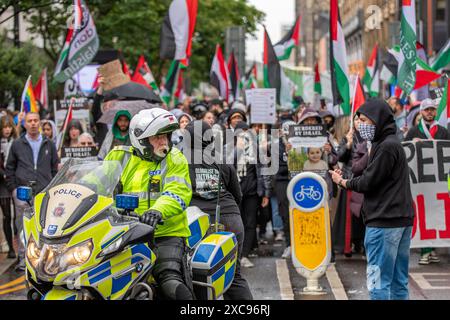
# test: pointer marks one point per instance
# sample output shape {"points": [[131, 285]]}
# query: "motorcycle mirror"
{"points": [[127, 201], [24, 193]]}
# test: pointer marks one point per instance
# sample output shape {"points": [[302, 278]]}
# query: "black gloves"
{"points": [[151, 217]]}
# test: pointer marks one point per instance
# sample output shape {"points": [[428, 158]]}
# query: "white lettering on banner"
{"points": [[429, 163]]}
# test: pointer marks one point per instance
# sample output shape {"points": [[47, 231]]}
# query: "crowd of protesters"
{"points": [[250, 200]]}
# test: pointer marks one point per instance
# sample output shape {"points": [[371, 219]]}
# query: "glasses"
{"points": [[87, 144]]}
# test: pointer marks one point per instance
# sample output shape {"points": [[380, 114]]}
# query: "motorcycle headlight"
{"points": [[77, 255], [33, 252], [58, 258]]}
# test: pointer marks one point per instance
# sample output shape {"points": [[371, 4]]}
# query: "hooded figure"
{"points": [[116, 136], [309, 113], [385, 182], [387, 208], [325, 114], [55, 138], [206, 177], [231, 115]]}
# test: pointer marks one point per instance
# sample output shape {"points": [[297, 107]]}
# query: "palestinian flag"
{"points": [[234, 77], [219, 77], [274, 76], [126, 69], [443, 111], [80, 46], [250, 78], [338, 61], [424, 74], [171, 81], [408, 56], [179, 91], [177, 30], [389, 69], [144, 75], [284, 47], [442, 57], [371, 77], [358, 96], [69, 116], [41, 89], [317, 85]]}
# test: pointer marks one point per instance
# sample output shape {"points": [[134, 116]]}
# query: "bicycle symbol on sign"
{"points": [[309, 193]]}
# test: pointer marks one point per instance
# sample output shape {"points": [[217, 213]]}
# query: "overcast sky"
{"points": [[278, 13]]}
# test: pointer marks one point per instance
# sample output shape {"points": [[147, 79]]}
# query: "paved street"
{"points": [[274, 278]]}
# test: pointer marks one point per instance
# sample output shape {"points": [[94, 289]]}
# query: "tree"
{"points": [[16, 64], [133, 26]]}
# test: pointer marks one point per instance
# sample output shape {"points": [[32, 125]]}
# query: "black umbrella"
{"points": [[132, 91]]}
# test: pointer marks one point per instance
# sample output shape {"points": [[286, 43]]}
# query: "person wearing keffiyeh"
{"points": [[428, 129]]}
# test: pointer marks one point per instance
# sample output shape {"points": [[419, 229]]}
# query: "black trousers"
{"points": [[5, 204], [249, 213], [239, 289], [283, 208], [170, 269]]}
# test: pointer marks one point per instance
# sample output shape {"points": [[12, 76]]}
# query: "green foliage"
{"points": [[16, 64], [133, 26]]}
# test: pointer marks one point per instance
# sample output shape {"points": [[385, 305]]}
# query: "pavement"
{"points": [[275, 278]]}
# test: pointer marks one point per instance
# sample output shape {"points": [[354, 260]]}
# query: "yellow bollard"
{"points": [[310, 228]]}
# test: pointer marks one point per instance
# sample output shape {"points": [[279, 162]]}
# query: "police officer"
{"points": [[159, 175]]}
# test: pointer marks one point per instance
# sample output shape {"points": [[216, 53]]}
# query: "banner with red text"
{"points": [[429, 163]]}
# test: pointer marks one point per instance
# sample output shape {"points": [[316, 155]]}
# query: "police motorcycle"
{"points": [[80, 245]]}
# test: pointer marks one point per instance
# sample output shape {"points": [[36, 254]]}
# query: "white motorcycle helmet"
{"points": [[148, 123]]}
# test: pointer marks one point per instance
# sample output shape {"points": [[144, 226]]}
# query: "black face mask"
{"points": [[328, 126]]}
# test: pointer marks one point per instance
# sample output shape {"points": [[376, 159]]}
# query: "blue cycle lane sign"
{"points": [[308, 193], [310, 228]]}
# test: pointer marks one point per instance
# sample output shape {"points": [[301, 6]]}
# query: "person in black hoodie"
{"points": [[205, 181], [387, 208]]}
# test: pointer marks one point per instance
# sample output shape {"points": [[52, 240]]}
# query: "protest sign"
{"points": [[79, 152], [307, 149], [429, 163], [80, 112], [263, 106]]}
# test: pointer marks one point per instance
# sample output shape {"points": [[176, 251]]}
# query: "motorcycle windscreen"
{"points": [[67, 203]]}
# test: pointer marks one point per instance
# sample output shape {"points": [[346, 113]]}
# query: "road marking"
{"points": [[13, 283], [286, 292], [335, 283], [13, 289], [425, 284]]}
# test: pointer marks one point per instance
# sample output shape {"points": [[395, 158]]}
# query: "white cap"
{"points": [[428, 103]]}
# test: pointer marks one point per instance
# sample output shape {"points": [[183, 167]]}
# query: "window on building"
{"points": [[440, 9]]}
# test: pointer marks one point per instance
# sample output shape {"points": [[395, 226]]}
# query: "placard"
{"points": [[429, 164], [263, 106], [80, 112], [79, 152]]}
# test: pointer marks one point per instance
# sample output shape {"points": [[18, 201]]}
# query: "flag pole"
{"points": [[353, 100], [65, 125]]}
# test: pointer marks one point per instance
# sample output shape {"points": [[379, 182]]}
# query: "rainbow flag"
{"points": [[29, 103]]}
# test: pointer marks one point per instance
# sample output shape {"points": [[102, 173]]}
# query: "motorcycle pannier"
{"points": [[198, 225], [214, 264]]}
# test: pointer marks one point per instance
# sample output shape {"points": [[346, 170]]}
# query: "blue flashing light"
{"points": [[24, 193], [127, 201]]}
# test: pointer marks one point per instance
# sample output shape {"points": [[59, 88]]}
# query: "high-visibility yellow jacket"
{"points": [[163, 186]]}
